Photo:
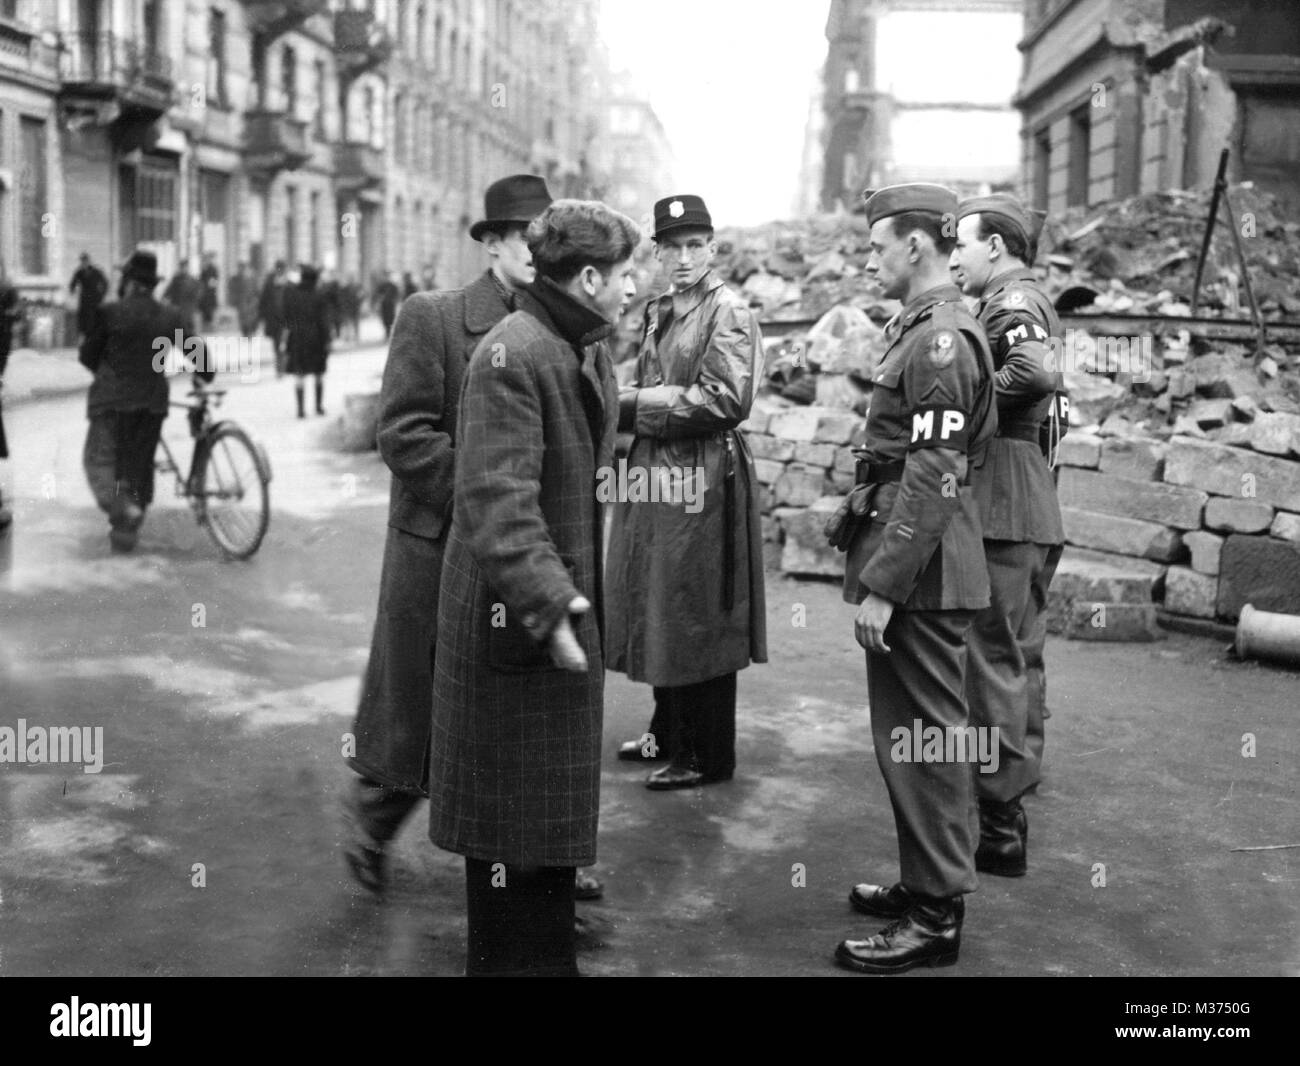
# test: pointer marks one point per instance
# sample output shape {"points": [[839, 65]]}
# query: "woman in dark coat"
{"points": [[518, 687], [307, 336]]}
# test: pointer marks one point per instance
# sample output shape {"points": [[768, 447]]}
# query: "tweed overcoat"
{"points": [[695, 381], [515, 757], [432, 341]]}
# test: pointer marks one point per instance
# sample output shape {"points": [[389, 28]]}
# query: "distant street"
{"points": [[222, 748]]}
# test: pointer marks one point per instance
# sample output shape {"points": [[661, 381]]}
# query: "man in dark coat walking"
{"points": [[514, 779], [184, 292], [127, 401], [91, 286], [433, 339], [687, 608], [306, 337], [10, 312], [209, 285], [270, 311]]}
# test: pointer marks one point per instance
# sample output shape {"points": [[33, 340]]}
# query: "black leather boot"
{"points": [[320, 396], [929, 934], [1004, 839], [298, 392], [881, 902]]}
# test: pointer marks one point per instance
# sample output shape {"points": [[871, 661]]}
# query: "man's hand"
{"points": [[565, 650], [872, 620]]}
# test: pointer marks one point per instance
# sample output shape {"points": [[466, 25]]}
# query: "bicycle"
{"points": [[229, 481]]}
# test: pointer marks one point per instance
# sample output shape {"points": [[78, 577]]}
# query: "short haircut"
{"points": [[572, 234], [1017, 244], [707, 231], [928, 222]]}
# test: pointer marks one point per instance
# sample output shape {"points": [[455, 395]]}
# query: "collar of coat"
{"points": [[1004, 279], [578, 325], [694, 296], [484, 305], [946, 293]]}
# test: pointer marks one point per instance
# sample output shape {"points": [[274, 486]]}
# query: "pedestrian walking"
{"points": [[91, 286], [514, 779], [127, 401], [387, 296], [184, 292], [916, 567], [1019, 514], [270, 311], [242, 295], [350, 302], [306, 337], [418, 402], [209, 282], [686, 597], [10, 313]]}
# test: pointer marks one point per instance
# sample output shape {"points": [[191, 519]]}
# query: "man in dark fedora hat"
{"points": [[685, 575], [127, 401], [433, 338]]}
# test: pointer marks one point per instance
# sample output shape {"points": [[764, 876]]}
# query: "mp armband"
{"points": [[937, 425]]}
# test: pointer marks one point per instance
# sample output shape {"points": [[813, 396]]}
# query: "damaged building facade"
{"points": [[1120, 97]]}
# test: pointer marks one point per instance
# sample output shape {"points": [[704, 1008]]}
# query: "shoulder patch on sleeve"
{"points": [[943, 348], [1015, 298]]}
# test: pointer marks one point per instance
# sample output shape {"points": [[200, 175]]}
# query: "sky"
{"points": [[731, 80]]}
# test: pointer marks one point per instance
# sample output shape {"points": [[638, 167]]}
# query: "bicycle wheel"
{"points": [[233, 488]]}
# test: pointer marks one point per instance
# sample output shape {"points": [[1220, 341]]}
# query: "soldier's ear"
{"points": [[996, 246]]}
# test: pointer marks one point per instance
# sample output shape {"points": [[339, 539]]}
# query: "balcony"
{"points": [[360, 42], [273, 141], [357, 167], [102, 68], [269, 19]]}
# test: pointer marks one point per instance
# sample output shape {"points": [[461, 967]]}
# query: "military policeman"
{"points": [[1019, 513], [916, 567]]}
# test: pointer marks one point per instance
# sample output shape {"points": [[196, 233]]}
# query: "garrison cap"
{"points": [[1006, 206], [915, 196], [681, 212]]}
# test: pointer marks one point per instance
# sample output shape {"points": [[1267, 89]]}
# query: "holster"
{"points": [[852, 515]]}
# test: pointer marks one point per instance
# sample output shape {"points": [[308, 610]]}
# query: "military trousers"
{"points": [[914, 690], [1005, 682]]}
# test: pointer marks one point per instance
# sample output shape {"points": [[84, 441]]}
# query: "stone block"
{"points": [[772, 556], [1115, 622], [763, 446], [1205, 549], [837, 427], [757, 421], [795, 423], [1225, 471], [1142, 460], [1275, 433], [845, 461], [765, 500], [1080, 449], [1102, 577], [771, 530], [1286, 526], [841, 481], [1260, 571], [1209, 414], [1224, 514], [768, 470], [1190, 593], [1149, 501], [1123, 536], [806, 551], [800, 486], [822, 455]]}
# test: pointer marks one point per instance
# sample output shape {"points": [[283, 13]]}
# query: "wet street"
{"points": [[209, 841]]}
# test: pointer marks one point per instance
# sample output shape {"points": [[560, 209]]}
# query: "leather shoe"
{"points": [[929, 934], [880, 902], [1004, 839], [585, 886], [640, 751], [675, 777]]}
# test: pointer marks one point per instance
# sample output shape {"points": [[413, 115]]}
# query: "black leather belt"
{"points": [[878, 473], [1020, 431]]}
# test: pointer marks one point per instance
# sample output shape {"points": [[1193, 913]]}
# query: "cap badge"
{"points": [[676, 209]]}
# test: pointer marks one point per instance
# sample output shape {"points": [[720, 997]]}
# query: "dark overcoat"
{"points": [[432, 342], [307, 330], [669, 622], [515, 763]]}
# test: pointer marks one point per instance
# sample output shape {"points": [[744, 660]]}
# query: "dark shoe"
{"points": [[587, 887], [643, 749], [366, 865], [880, 902], [122, 540], [675, 777], [1004, 839], [928, 935]]}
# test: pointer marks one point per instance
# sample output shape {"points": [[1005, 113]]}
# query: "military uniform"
{"points": [[921, 547], [1022, 531]]}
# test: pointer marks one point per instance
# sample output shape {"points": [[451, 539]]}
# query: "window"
{"points": [[290, 224], [420, 42], [155, 202], [322, 98], [368, 126], [1076, 188], [152, 27], [289, 80], [399, 128], [32, 193], [217, 58], [315, 228], [1042, 167]]}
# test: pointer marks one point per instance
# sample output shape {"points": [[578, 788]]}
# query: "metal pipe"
{"points": [[1268, 635]]}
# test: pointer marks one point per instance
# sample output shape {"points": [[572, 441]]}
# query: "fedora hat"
{"points": [[515, 200], [142, 267]]}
